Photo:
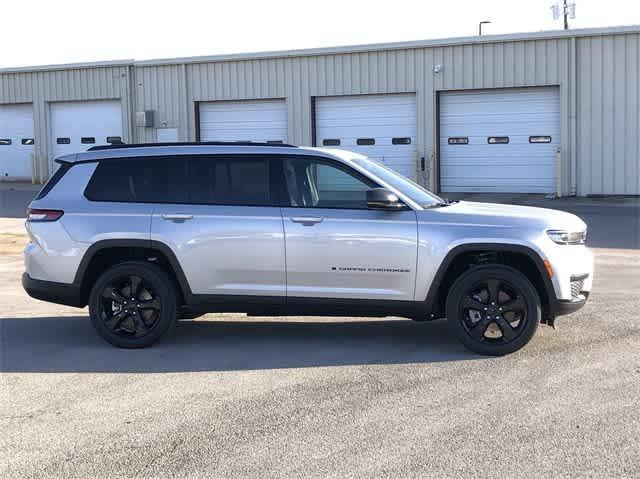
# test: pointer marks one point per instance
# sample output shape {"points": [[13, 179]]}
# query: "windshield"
{"points": [[413, 190]]}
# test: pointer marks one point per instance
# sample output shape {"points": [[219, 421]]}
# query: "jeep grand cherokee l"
{"points": [[146, 234]]}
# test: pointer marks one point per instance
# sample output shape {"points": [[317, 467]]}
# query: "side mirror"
{"points": [[383, 199]]}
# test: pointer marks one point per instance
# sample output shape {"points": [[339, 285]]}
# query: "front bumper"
{"points": [[60, 293], [563, 306]]}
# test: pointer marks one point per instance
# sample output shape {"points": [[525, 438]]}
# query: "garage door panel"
{"points": [[510, 172], [251, 120], [459, 187], [79, 125], [16, 155], [381, 117], [488, 125], [519, 166]]}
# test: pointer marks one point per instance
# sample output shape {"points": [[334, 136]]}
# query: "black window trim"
{"points": [[63, 140], [401, 140], [498, 142], [29, 141], [87, 140], [331, 142], [365, 141], [5, 141]]}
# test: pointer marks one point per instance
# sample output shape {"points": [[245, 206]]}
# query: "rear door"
{"points": [[221, 218], [335, 246]]}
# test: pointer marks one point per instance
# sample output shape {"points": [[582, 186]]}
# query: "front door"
{"points": [[335, 246], [224, 225]]}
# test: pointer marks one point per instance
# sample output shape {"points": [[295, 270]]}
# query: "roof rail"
{"points": [[116, 146]]}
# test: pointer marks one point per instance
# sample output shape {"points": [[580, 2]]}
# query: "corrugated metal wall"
{"points": [[598, 78], [608, 105], [40, 88]]}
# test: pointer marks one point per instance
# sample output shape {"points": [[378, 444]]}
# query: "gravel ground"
{"points": [[230, 396]]}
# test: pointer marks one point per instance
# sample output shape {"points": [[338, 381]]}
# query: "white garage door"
{"points": [[503, 141], [16, 141], [78, 125], [378, 126], [255, 120]]}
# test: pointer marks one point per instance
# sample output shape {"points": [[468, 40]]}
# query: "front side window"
{"points": [[316, 183], [413, 190]]}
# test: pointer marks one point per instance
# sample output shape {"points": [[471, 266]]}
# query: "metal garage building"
{"points": [[542, 112]]}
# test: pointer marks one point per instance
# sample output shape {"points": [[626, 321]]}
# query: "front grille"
{"points": [[576, 287]]}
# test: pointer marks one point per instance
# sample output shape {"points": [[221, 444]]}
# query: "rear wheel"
{"points": [[133, 304], [493, 310]]}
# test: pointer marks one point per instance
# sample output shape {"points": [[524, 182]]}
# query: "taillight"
{"points": [[43, 215]]}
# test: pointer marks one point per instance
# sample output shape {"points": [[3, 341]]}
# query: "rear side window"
{"points": [[57, 176], [229, 180], [209, 180]]}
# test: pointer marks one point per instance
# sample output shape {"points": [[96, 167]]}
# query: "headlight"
{"points": [[567, 237]]}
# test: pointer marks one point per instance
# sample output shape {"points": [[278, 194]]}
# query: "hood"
{"points": [[511, 215]]}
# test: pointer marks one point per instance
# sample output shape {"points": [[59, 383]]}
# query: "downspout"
{"points": [[32, 157], [573, 121], [183, 128], [132, 102]]}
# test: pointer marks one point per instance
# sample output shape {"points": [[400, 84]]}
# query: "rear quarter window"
{"points": [[55, 178], [137, 180]]}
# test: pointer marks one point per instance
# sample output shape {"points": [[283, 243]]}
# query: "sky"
{"points": [[42, 32]]}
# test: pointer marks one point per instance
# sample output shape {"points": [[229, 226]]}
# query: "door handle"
{"points": [[177, 217], [306, 220]]}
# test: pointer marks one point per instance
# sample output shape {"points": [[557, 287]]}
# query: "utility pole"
{"points": [[565, 10]]}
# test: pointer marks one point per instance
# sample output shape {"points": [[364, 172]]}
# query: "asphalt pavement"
{"points": [[231, 396]]}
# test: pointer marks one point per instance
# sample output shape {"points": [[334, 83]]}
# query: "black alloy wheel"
{"points": [[494, 310], [129, 306], [133, 304]]}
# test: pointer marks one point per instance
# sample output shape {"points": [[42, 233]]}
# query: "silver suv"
{"points": [[146, 234]]}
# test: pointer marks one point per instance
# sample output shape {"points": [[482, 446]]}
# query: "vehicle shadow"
{"points": [[69, 344]]}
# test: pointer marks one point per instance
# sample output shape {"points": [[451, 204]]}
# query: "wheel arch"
{"points": [[462, 256], [107, 253]]}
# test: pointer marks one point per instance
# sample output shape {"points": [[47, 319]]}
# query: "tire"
{"points": [[493, 329], [136, 324]]}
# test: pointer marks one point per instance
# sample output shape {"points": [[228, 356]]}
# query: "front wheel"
{"points": [[133, 304], [493, 310]]}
